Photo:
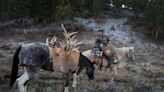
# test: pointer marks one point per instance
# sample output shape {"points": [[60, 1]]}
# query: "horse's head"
{"points": [[131, 48], [110, 54], [115, 61]]}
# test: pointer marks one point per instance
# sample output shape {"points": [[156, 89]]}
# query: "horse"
{"points": [[120, 54], [35, 56], [104, 57], [123, 53]]}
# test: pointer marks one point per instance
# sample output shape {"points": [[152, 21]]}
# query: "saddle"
{"points": [[97, 52]]}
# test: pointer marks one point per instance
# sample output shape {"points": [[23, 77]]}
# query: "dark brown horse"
{"points": [[35, 56]]}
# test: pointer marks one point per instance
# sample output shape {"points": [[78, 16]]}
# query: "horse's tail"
{"points": [[14, 70]]}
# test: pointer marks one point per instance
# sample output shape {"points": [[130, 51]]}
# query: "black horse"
{"points": [[35, 56]]}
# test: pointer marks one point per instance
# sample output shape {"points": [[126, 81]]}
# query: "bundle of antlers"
{"points": [[69, 43]]}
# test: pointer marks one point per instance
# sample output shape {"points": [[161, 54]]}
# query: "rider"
{"points": [[101, 41]]}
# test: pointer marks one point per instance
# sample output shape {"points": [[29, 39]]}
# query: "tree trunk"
{"points": [[135, 14], [0, 8], [44, 21], [152, 33], [37, 20], [156, 34]]}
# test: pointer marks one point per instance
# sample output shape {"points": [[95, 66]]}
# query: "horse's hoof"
{"points": [[66, 89], [74, 86]]}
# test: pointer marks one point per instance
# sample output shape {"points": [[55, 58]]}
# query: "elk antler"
{"points": [[52, 42], [70, 42]]}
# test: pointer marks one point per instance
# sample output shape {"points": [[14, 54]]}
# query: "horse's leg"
{"points": [[74, 80], [66, 84], [133, 57], [128, 55], [100, 64], [22, 79], [75, 76], [115, 69], [111, 68]]}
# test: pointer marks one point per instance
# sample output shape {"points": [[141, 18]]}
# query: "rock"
{"points": [[153, 46], [122, 65], [1, 55], [2, 76], [49, 89], [123, 79], [112, 87], [5, 46], [157, 88], [151, 72], [112, 28], [135, 69], [139, 82]]}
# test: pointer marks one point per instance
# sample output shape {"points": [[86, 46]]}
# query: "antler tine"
{"points": [[72, 33], [66, 34], [75, 43], [78, 43], [65, 31], [47, 41], [70, 43], [53, 40], [73, 37], [76, 49], [62, 44]]}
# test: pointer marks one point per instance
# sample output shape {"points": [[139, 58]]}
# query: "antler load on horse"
{"points": [[69, 44], [48, 56]]}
